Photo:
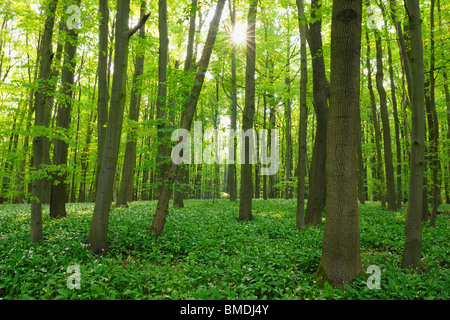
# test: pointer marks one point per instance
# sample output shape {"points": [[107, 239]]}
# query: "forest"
{"points": [[224, 150]]}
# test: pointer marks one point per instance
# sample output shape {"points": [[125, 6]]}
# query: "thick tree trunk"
{"points": [[159, 219], [39, 106], [341, 261], [317, 177], [245, 201], [412, 253], [59, 187]]}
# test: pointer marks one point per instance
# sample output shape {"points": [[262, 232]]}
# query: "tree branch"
{"points": [[139, 25]]}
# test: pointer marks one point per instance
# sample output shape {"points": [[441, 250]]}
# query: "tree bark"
{"points": [[181, 190], [161, 112], [379, 169], [317, 177], [59, 187], [231, 179], [129, 162], [245, 201], [412, 253], [160, 216], [103, 83], [341, 261], [287, 114], [39, 106], [390, 182], [433, 127], [303, 122], [98, 236]]}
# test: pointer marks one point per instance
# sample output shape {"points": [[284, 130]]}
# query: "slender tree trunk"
{"points": [[59, 187], [181, 190], [447, 101], [433, 126], [245, 201], [303, 122], [84, 159], [412, 253], [163, 201], [397, 130], [231, 179], [161, 112], [39, 107], [390, 182], [361, 180], [396, 123], [287, 114], [341, 261], [379, 171], [272, 124], [103, 81], [129, 162], [317, 177]]}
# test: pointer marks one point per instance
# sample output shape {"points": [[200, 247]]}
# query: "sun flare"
{"points": [[239, 34]]}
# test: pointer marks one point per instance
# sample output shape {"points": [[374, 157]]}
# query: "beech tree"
{"points": [[98, 236], [412, 253], [42, 94], [246, 195], [59, 195], [341, 260]]}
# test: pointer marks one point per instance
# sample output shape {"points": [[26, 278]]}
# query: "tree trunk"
{"points": [[397, 130], [287, 114], [379, 169], [361, 178], [98, 236], [59, 187], [433, 126], [245, 201], [317, 177], [341, 261], [103, 83], [390, 182], [39, 107], [412, 253], [129, 162], [303, 122], [447, 102], [161, 112], [181, 190], [231, 180], [163, 201]]}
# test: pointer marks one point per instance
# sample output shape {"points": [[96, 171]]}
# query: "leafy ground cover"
{"points": [[205, 253]]}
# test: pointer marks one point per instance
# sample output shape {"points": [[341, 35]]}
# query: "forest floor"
{"points": [[205, 253]]}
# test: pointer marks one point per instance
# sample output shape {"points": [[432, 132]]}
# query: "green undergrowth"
{"points": [[205, 253]]}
